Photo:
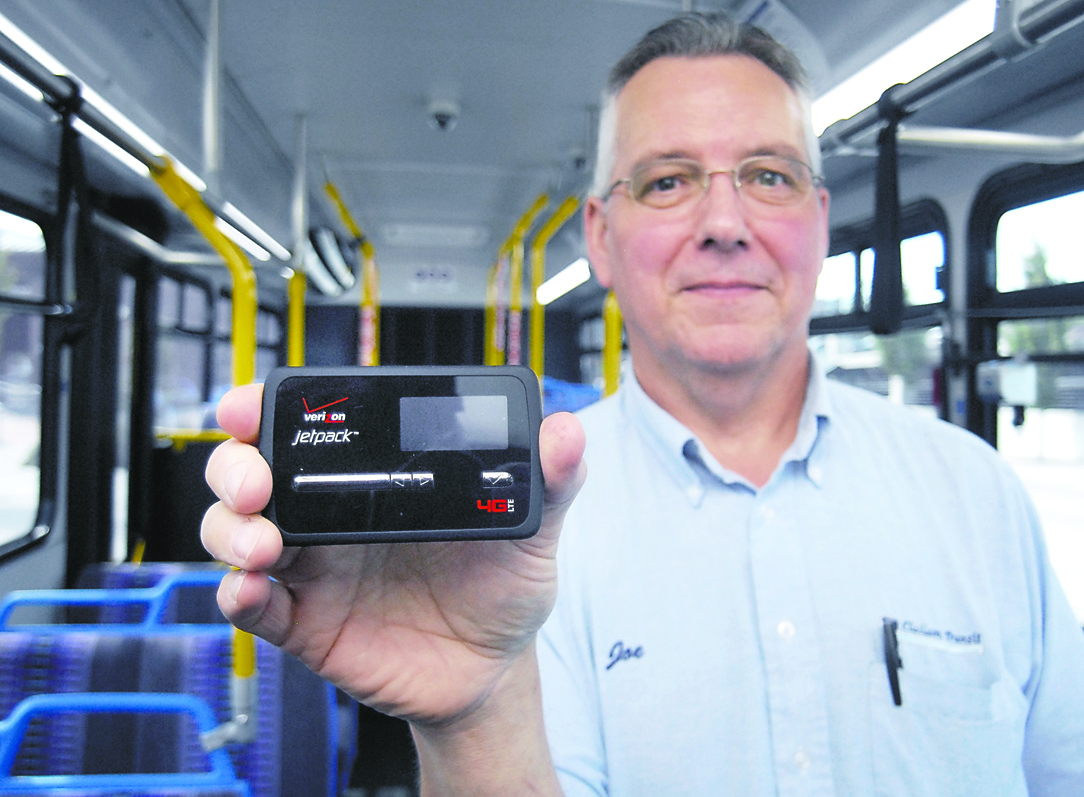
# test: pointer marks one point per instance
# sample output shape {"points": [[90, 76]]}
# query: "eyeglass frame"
{"points": [[816, 180]]}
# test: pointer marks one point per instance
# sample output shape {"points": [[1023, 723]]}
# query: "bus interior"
{"points": [[193, 192]]}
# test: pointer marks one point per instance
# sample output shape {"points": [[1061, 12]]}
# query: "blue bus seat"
{"points": [[306, 733], [215, 778]]}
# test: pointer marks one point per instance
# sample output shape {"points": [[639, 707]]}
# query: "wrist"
{"points": [[498, 748]]}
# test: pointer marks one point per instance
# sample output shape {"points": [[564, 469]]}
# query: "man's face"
{"points": [[721, 282]]}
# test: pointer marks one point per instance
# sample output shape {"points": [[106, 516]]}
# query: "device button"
{"points": [[341, 482], [423, 481], [496, 478], [401, 480]]}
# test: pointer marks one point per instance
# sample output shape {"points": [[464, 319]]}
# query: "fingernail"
{"points": [[235, 585], [243, 540], [235, 477]]}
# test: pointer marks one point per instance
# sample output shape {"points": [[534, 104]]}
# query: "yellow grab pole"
{"points": [[515, 279], [369, 332], [369, 339], [489, 351], [295, 324], [243, 330], [344, 212], [611, 346], [243, 340], [538, 273]]}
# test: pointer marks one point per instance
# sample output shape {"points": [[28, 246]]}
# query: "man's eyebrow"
{"points": [[655, 157]]}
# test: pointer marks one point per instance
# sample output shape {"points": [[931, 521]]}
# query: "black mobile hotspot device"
{"points": [[396, 454]]}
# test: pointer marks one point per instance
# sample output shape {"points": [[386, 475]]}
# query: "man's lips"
{"points": [[724, 287]]}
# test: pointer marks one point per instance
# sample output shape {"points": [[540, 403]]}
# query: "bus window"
{"points": [[1038, 247], [22, 279], [847, 276], [902, 366], [180, 389], [835, 287], [1040, 244]]}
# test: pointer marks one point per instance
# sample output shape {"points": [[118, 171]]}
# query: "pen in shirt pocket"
{"points": [[892, 658]]}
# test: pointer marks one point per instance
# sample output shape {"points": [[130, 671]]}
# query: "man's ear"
{"points": [[596, 227]]}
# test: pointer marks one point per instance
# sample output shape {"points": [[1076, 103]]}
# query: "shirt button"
{"points": [[786, 629], [815, 473], [767, 512], [802, 760]]}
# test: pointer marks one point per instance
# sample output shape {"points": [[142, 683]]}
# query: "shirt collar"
{"points": [[687, 460]]}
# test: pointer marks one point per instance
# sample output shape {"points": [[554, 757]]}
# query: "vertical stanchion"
{"points": [[515, 279], [611, 347], [538, 274]]}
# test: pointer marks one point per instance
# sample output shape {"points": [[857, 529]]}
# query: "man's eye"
{"points": [[666, 183], [768, 178]]}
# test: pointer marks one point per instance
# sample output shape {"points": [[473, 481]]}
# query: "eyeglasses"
{"points": [[766, 179]]}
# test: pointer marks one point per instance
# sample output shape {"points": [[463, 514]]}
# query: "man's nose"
{"points": [[721, 213]]}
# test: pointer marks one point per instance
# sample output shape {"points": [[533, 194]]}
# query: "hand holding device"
{"points": [[424, 632]]}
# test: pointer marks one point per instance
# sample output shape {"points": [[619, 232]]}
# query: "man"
{"points": [[756, 550]]}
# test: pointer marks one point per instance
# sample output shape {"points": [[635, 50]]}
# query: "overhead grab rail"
{"points": [[1016, 31], [57, 90]]}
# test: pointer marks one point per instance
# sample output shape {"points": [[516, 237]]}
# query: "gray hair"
{"points": [[693, 35]]}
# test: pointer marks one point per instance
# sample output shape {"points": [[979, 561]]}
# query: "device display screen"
{"points": [[453, 423]]}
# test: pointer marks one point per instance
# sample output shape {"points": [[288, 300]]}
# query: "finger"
{"points": [[255, 603], [250, 542], [561, 445], [239, 412], [239, 476]]}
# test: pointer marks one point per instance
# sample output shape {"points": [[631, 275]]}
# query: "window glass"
{"points": [[865, 268], [1047, 448], [20, 422], [1041, 244], [902, 367], [22, 258], [268, 329], [195, 311], [178, 397], [223, 369], [125, 343], [223, 316], [835, 287], [266, 359], [922, 257], [22, 275], [169, 303]]}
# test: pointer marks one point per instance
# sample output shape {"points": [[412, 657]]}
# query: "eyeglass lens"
{"points": [[771, 180]]}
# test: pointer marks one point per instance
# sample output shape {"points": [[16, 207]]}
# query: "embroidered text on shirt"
{"points": [[621, 653]]}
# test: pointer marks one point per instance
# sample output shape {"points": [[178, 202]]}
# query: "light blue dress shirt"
{"points": [[711, 638]]}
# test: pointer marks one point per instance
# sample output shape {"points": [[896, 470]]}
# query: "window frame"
{"points": [[53, 312], [987, 307]]}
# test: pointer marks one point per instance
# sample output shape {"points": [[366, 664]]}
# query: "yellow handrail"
{"points": [[243, 330], [369, 333], [494, 319], [515, 278], [369, 321], [611, 347], [538, 273], [295, 324]]}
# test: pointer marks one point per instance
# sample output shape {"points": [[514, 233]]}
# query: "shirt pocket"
{"points": [[959, 731]]}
